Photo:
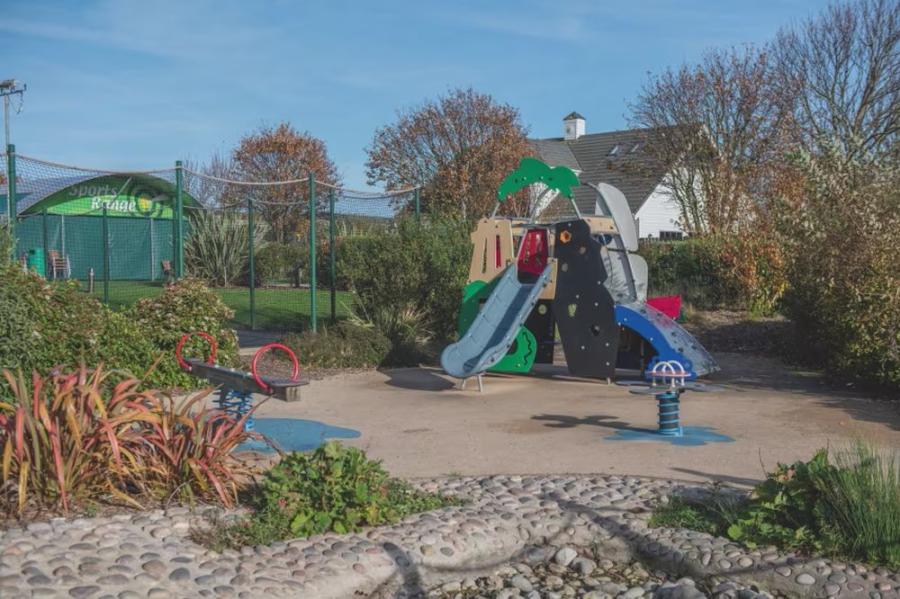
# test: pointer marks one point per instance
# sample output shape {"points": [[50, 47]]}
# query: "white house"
{"points": [[620, 159]]}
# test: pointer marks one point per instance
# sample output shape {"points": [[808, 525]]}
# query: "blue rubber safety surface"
{"points": [[294, 434], [692, 436]]}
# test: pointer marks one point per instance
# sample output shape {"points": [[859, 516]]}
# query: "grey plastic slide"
{"points": [[494, 329]]}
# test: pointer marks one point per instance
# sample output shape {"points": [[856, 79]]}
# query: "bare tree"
{"points": [[204, 181], [844, 66], [457, 147], [718, 126]]}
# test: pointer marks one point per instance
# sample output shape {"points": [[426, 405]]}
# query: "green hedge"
{"points": [[47, 325], [418, 267], [726, 271], [280, 263], [342, 345]]}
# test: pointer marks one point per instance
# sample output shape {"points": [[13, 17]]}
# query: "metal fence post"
{"points": [[46, 236], [152, 249], [331, 256], [313, 316], [418, 207], [178, 239], [11, 211], [105, 255], [252, 262]]}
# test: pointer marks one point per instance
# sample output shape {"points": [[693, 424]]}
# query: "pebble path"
{"points": [[507, 520]]}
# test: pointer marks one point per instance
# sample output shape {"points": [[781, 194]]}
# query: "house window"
{"points": [[614, 150], [635, 148], [671, 235]]}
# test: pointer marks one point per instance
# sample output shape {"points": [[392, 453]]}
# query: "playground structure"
{"points": [[236, 387], [581, 277]]}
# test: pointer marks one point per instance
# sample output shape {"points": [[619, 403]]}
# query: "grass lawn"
{"points": [[282, 308]]}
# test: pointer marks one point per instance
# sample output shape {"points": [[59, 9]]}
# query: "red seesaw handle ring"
{"points": [[295, 364], [213, 347]]}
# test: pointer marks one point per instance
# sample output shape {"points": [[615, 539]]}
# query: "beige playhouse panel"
{"points": [[601, 225], [489, 236], [549, 292]]}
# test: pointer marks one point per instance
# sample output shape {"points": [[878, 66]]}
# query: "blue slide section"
{"points": [[667, 337], [494, 329]]}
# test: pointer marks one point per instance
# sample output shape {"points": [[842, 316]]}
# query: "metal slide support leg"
{"points": [[478, 379], [236, 404], [669, 420]]}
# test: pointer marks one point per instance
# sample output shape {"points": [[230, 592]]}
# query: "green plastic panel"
{"points": [[521, 355], [531, 171]]}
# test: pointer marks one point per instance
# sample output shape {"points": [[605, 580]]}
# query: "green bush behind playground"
{"points": [[735, 271], [420, 267]]}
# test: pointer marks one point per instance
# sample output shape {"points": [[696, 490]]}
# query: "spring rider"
{"points": [[668, 380]]}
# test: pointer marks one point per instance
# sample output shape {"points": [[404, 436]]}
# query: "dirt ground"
{"points": [[421, 424]]}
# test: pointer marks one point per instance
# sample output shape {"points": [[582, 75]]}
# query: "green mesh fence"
{"points": [[269, 250], [294, 273], [112, 232]]}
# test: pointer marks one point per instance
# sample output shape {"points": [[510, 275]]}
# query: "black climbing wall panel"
{"points": [[542, 324], [584, 310]]}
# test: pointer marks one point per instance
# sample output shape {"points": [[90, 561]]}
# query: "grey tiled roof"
{"points": [[630, 168]]}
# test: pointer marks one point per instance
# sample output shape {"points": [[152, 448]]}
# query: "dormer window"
{"points": [[614, 151], [635, 148]]}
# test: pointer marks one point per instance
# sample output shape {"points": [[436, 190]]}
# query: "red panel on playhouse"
{"points": [[533, 257], [670, 305]]}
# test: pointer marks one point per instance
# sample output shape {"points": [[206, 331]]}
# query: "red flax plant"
{"points": [[190, 452], [71, 438]]}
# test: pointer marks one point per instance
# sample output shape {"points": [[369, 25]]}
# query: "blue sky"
{"points": [[124, 84]]}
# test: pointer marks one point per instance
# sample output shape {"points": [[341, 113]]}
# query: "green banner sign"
{"points": [[121, 196]]}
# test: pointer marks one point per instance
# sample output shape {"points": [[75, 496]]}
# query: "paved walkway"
{"points": [[421, 425]]}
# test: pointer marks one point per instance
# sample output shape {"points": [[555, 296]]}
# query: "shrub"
{"points": [[76, 438], [49, 325], [419, 267], [737, 271], [281, 262], [785, 509], [217, 246], [46, 325], [842, 233], [185, 307], [333, 489], [847, 506], [343, 345], [7, 245], [406, 329]]}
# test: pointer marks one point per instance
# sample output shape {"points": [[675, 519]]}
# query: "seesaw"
{"points": [[236, 387]]}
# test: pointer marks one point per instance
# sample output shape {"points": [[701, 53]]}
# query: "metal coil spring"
{"points": [[236, 404], [669, 419]]}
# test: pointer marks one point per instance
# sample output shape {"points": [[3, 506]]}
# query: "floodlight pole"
{"points": [[8, 88]]}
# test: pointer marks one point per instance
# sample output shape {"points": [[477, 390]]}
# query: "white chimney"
{"points": [[574, 126]]}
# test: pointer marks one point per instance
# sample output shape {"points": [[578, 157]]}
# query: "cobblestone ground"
{"points": [[550, 573], [514, 532]]}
